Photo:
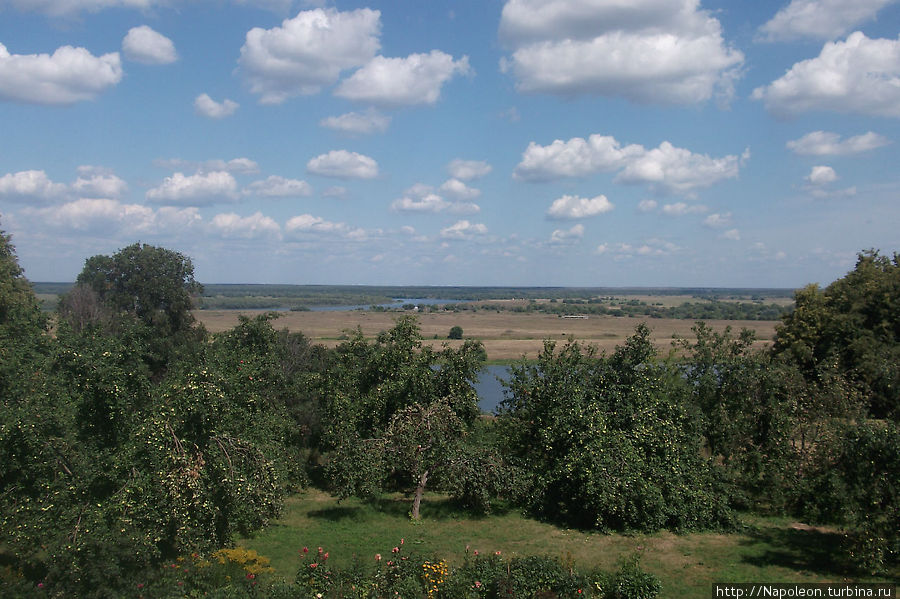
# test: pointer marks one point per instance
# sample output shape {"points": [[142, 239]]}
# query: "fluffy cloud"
{"points": [[820, 19], [858, 75], [648, 205], [665, 168], [306, 224], [342, 164], [459, 190], [821, 175], [143, 44], [33, 186], [279, 187], [206, 106], [572, 207], [731, 235], [422, 199], [93, 184], [104, 215], [255, 226], [678, 170], [657, 51], [466, 170], [826, 143], [717, 221], [651, 247], [308, 52], [681, 209], [561, 236], [416, 79], [195, 190], [574, 158], [67, 76], [463, 230], [361, 123]]}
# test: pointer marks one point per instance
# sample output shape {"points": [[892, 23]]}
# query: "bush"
{"points": [[455, 333]]}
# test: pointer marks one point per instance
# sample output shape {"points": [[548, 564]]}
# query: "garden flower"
{"points": [[477, 584], [395, 550], [314, 565], [305, 550], [377, 557]]}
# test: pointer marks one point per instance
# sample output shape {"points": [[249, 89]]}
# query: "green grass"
{"points": [[766, 550]]}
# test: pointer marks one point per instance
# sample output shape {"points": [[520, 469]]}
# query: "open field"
{"points": [[506, 335], [771, 550]]}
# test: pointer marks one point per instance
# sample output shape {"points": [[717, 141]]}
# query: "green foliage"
{"points": [[856, 484], [608, 442], [151, 284], [456, 332], [630, 581], [398, 411], [854, 324]]}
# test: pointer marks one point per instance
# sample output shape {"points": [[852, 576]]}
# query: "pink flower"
{"points": [[496, 553], [477, 584], [377, 557], [324, 557], [475, 552], [40, 585], [314, 565], [320, 550], [401, 541], [305, 550], [140, 585], [250, 576], [395, 550]]}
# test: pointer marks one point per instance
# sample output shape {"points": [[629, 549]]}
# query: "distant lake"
{"points": [[490, 391]]}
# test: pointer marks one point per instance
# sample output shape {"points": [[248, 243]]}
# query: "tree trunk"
{"points": [[417, 500]]}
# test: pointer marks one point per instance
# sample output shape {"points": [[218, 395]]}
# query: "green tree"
{"points": [[608, 442], [456, 332], [151, 284], [854, 323], [398, 410]]}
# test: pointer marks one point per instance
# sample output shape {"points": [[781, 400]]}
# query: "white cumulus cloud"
{"points": [[342, 164], [459, 190], [820, 19], [143, 44], [463, 230], [718, 221], [422, 199], [31, 186], [821, 175], [308, 51], [573, 207], [67, 76], [195, 190], [304, 225], [857, 75], [275, 186], [234, 226], [93, 184], [681, 209], [564, 236], [665, 168], [416, 79], [466, 170], [654, 51], [360, 123], [106, 215], [827, 143], [206, 106]]}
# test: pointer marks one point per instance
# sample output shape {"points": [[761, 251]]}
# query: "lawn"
{"points": [[765, 550]]}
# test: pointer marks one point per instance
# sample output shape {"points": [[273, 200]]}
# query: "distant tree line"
{"points": [[130, 436]]}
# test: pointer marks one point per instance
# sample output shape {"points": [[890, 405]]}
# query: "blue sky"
{"points": [[525, 142]]}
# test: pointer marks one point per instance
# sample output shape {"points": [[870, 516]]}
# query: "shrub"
{"points": [[455, 333]]}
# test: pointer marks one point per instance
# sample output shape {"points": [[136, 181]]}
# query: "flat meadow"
{"points": [[506, 335]]}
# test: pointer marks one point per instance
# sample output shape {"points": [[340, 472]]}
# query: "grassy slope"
{"points": [[768, 550]]}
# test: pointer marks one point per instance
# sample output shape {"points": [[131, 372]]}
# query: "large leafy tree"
{"points": [[853, 324], [608, 442], [398, 411], [154, 286]]}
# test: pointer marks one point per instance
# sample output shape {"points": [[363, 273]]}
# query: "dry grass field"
{"points": [[506, 335]]}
